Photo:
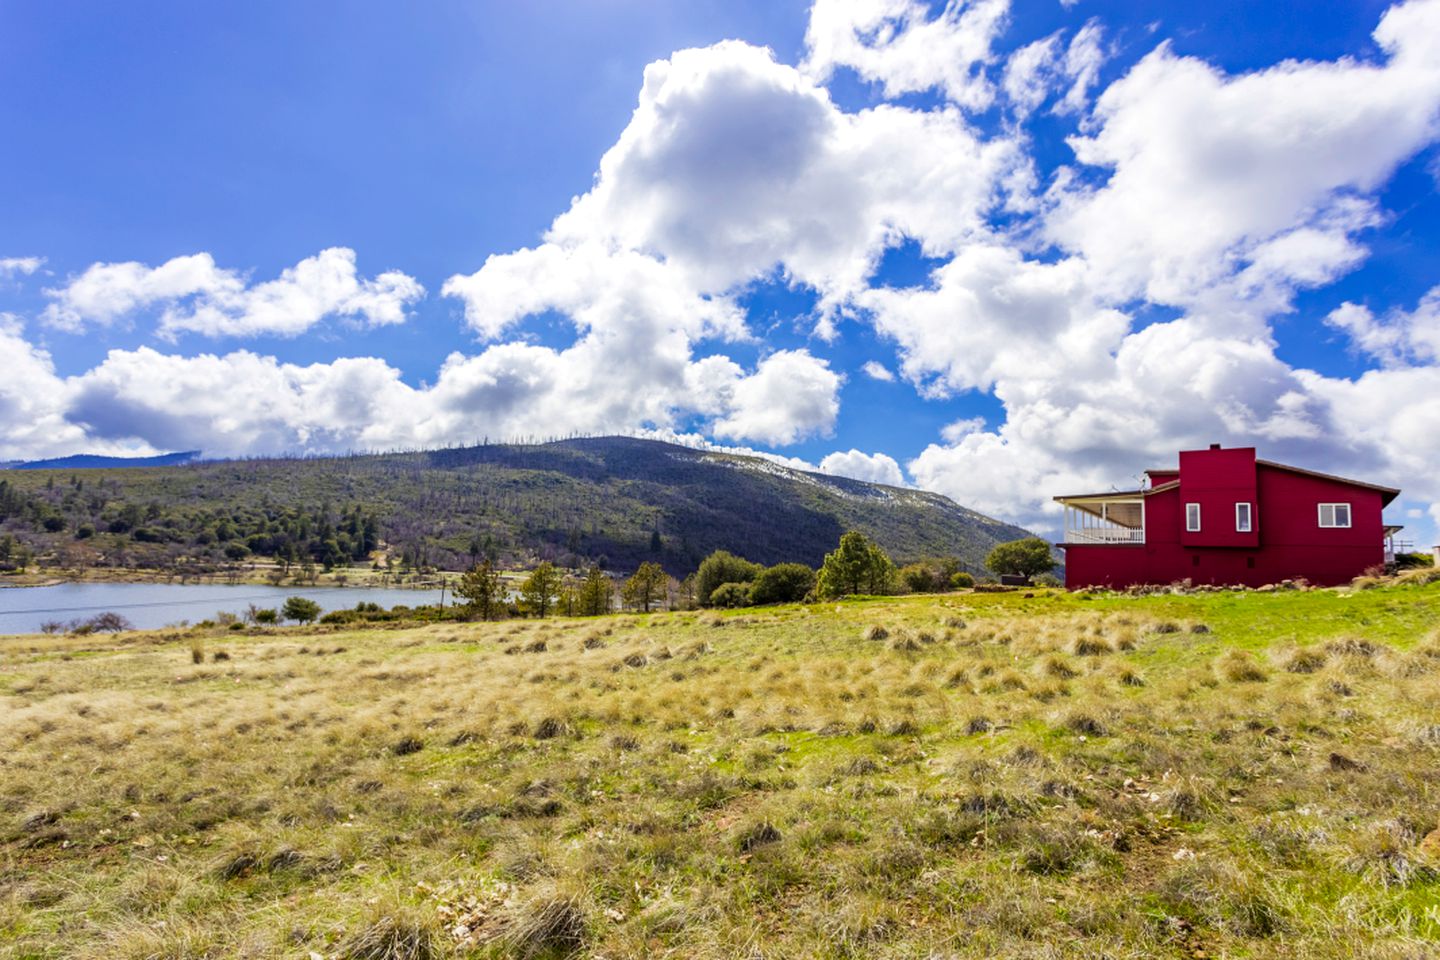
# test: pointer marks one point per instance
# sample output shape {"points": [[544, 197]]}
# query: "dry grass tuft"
{"points": [[390, 938], [548, 923], [1302, 660], [1239, 666], [874, 632], [1090, 647]]}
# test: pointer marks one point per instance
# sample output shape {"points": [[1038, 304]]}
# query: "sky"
{"points": [[999, 249]]}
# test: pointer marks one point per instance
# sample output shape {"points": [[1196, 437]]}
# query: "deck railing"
{"points": [[1095, 522]]}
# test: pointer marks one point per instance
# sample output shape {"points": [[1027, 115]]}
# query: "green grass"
{"points": [[765, 781]]}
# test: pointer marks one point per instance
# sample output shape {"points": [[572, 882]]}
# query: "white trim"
{"points": [[1249, 524], [1334, 511], [1189, 526]]}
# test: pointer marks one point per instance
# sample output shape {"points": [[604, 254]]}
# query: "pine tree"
{"points": [[596, 593], [645, 587], [856, 566], [482, 590], [540, 588]]}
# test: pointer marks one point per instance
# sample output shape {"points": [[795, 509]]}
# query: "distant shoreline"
{"points": [[342, 580]]}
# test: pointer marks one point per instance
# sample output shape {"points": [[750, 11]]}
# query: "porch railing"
{"points": [[1105, 522]]}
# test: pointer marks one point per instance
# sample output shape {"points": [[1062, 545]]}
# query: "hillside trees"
{"points": [[483, 591], [719, 568], [856, 566], [1026, 557], [645, 587]]}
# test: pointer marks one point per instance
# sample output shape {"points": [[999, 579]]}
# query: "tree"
{"points": [[782, 583], [596, 593], [300, 610], [856, 566], [540, 588], [645, 587], [722, 567], [1025, 558], [483, 591]]}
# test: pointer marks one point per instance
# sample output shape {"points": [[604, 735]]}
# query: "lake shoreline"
{"points": [[260, 577]]}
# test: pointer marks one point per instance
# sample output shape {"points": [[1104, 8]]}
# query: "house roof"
{"points": [[1388, 493], [1119, 494]]}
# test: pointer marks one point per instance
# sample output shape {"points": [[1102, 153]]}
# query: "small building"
{"points": [[1225, 517]]}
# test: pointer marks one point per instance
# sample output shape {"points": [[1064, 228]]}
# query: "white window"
{"points": [[1242, 518], [1192, 517], [1334, 514]]}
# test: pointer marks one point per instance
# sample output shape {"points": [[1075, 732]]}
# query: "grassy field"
{"points": [[1218, 775]]}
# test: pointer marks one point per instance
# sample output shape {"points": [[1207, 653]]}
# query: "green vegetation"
{"points": [[483, 591], [300, 610], [720, 568], [1235, 774], [857, 566], [1026, 557], [646, 588], [612, 502]]}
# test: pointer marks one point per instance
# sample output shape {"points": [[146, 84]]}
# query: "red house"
{"points": [[1227, 518]]}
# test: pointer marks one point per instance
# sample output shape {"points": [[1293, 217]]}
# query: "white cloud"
{"points": [[790, 395], [734, 165], [1401, 338], [33, 400], [20, 266], [198, 296], [1083, 60], [898, 44], [871, 467], [1030, 74], [1207, 169], [876, 370]]}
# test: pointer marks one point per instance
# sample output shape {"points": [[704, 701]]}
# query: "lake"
{"points": [[149, 606]]}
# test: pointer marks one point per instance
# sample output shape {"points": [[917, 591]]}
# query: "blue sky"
{"points": [[1242, 253]]}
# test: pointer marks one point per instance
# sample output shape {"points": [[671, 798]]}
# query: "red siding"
{"points": [[1287, 541], [1217, 480]]}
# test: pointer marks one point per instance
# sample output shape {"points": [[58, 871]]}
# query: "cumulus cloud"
{"points": [[196, 295], [1401, 338], [872, 467], [900, 45], [734, 165], [1207, 171], [790, 395], [33, 400]]}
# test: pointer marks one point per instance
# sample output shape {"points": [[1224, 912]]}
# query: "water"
{"points": [[149, 606]]}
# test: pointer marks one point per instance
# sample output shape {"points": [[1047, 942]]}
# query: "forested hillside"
{"points": [[615, 500]]}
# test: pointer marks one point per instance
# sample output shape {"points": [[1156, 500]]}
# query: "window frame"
{"points": [[1335, 523], [1249, 509], [1192, 528]]}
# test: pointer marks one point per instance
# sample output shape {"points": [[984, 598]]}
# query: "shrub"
{"points": [[720, 568], [962, 581], [730, 595], [300, 609], [782, 583], [1027, 557], [919, 578]]}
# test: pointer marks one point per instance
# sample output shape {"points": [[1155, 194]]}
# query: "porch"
{"points": [[1104, 519]]}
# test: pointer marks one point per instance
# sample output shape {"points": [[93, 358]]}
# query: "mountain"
{"points": [[89, 461], [618, 500]]}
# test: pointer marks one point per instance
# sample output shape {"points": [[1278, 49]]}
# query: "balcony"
{"points": [[1105, 520]]}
